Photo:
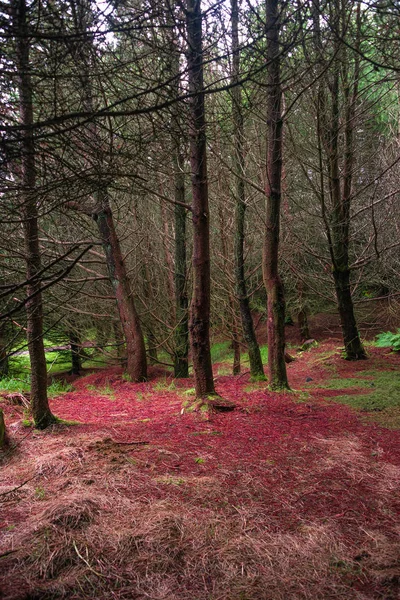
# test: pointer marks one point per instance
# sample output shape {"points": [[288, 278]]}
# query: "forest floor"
{"points": [[290, 496]]}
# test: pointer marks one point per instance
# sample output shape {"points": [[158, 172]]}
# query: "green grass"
{"points": [[221, 352], [337, 383], [58, 387], [380, 403], [106, 390], [15, 384], [165, 386], [385, 393]]}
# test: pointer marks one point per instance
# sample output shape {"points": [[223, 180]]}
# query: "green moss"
{"points": [[383, 395], [189, 392], [256, 378]]}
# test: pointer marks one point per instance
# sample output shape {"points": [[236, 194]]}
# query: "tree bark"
{"points": [[256, 366], [272, 281], [303, 325], [181, 357], [39, 402], [329, 129], [136, 351], [135, 346], [3, 352], [75, 346], [200, 306]]}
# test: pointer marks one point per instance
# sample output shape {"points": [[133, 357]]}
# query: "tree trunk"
{"points": [[329, 130], [118, 338], [3, 354], [273, 284], [3, 437], [256, 366], [136, 351], [236, 350], [181, 357], [39, 402], [135, 346], [152, 346], [303, 325], [200, 306], [354, 349], [75, 345]]}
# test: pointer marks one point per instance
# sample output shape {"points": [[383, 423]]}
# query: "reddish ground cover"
{"points": [[291, 496]]}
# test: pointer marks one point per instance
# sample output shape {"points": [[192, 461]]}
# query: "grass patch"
{"points": [[164, 386], [15, 384], [106, 390], [58, 387], [221, 352], [382, 402], [338, 383]]}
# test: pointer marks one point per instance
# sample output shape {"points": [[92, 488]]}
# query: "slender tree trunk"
{"points": [[152, 346], [200, 306], [256, 366], [136, 351], [39, 402], [135, 346], [236, 350], [302, 315], [181, 333], [3, 352], [181, 360], [75, 345], [273, 284], [303, 325], [339, 226]]}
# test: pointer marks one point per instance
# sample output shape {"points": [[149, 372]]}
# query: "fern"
{"points": [[389, 340]]}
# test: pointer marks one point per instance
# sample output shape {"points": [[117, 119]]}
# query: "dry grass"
{"points": [[160, 551], [111, 528]]}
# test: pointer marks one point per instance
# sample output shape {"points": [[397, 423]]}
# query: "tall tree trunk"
{"points": [[256, 366], [329, 130], [135, 346], [181, 357], [181, 333], [273, 284], [136, 351], [39, 402], [200, 306]]}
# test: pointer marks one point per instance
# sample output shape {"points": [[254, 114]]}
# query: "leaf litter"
{"points": [[279, 499]]}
